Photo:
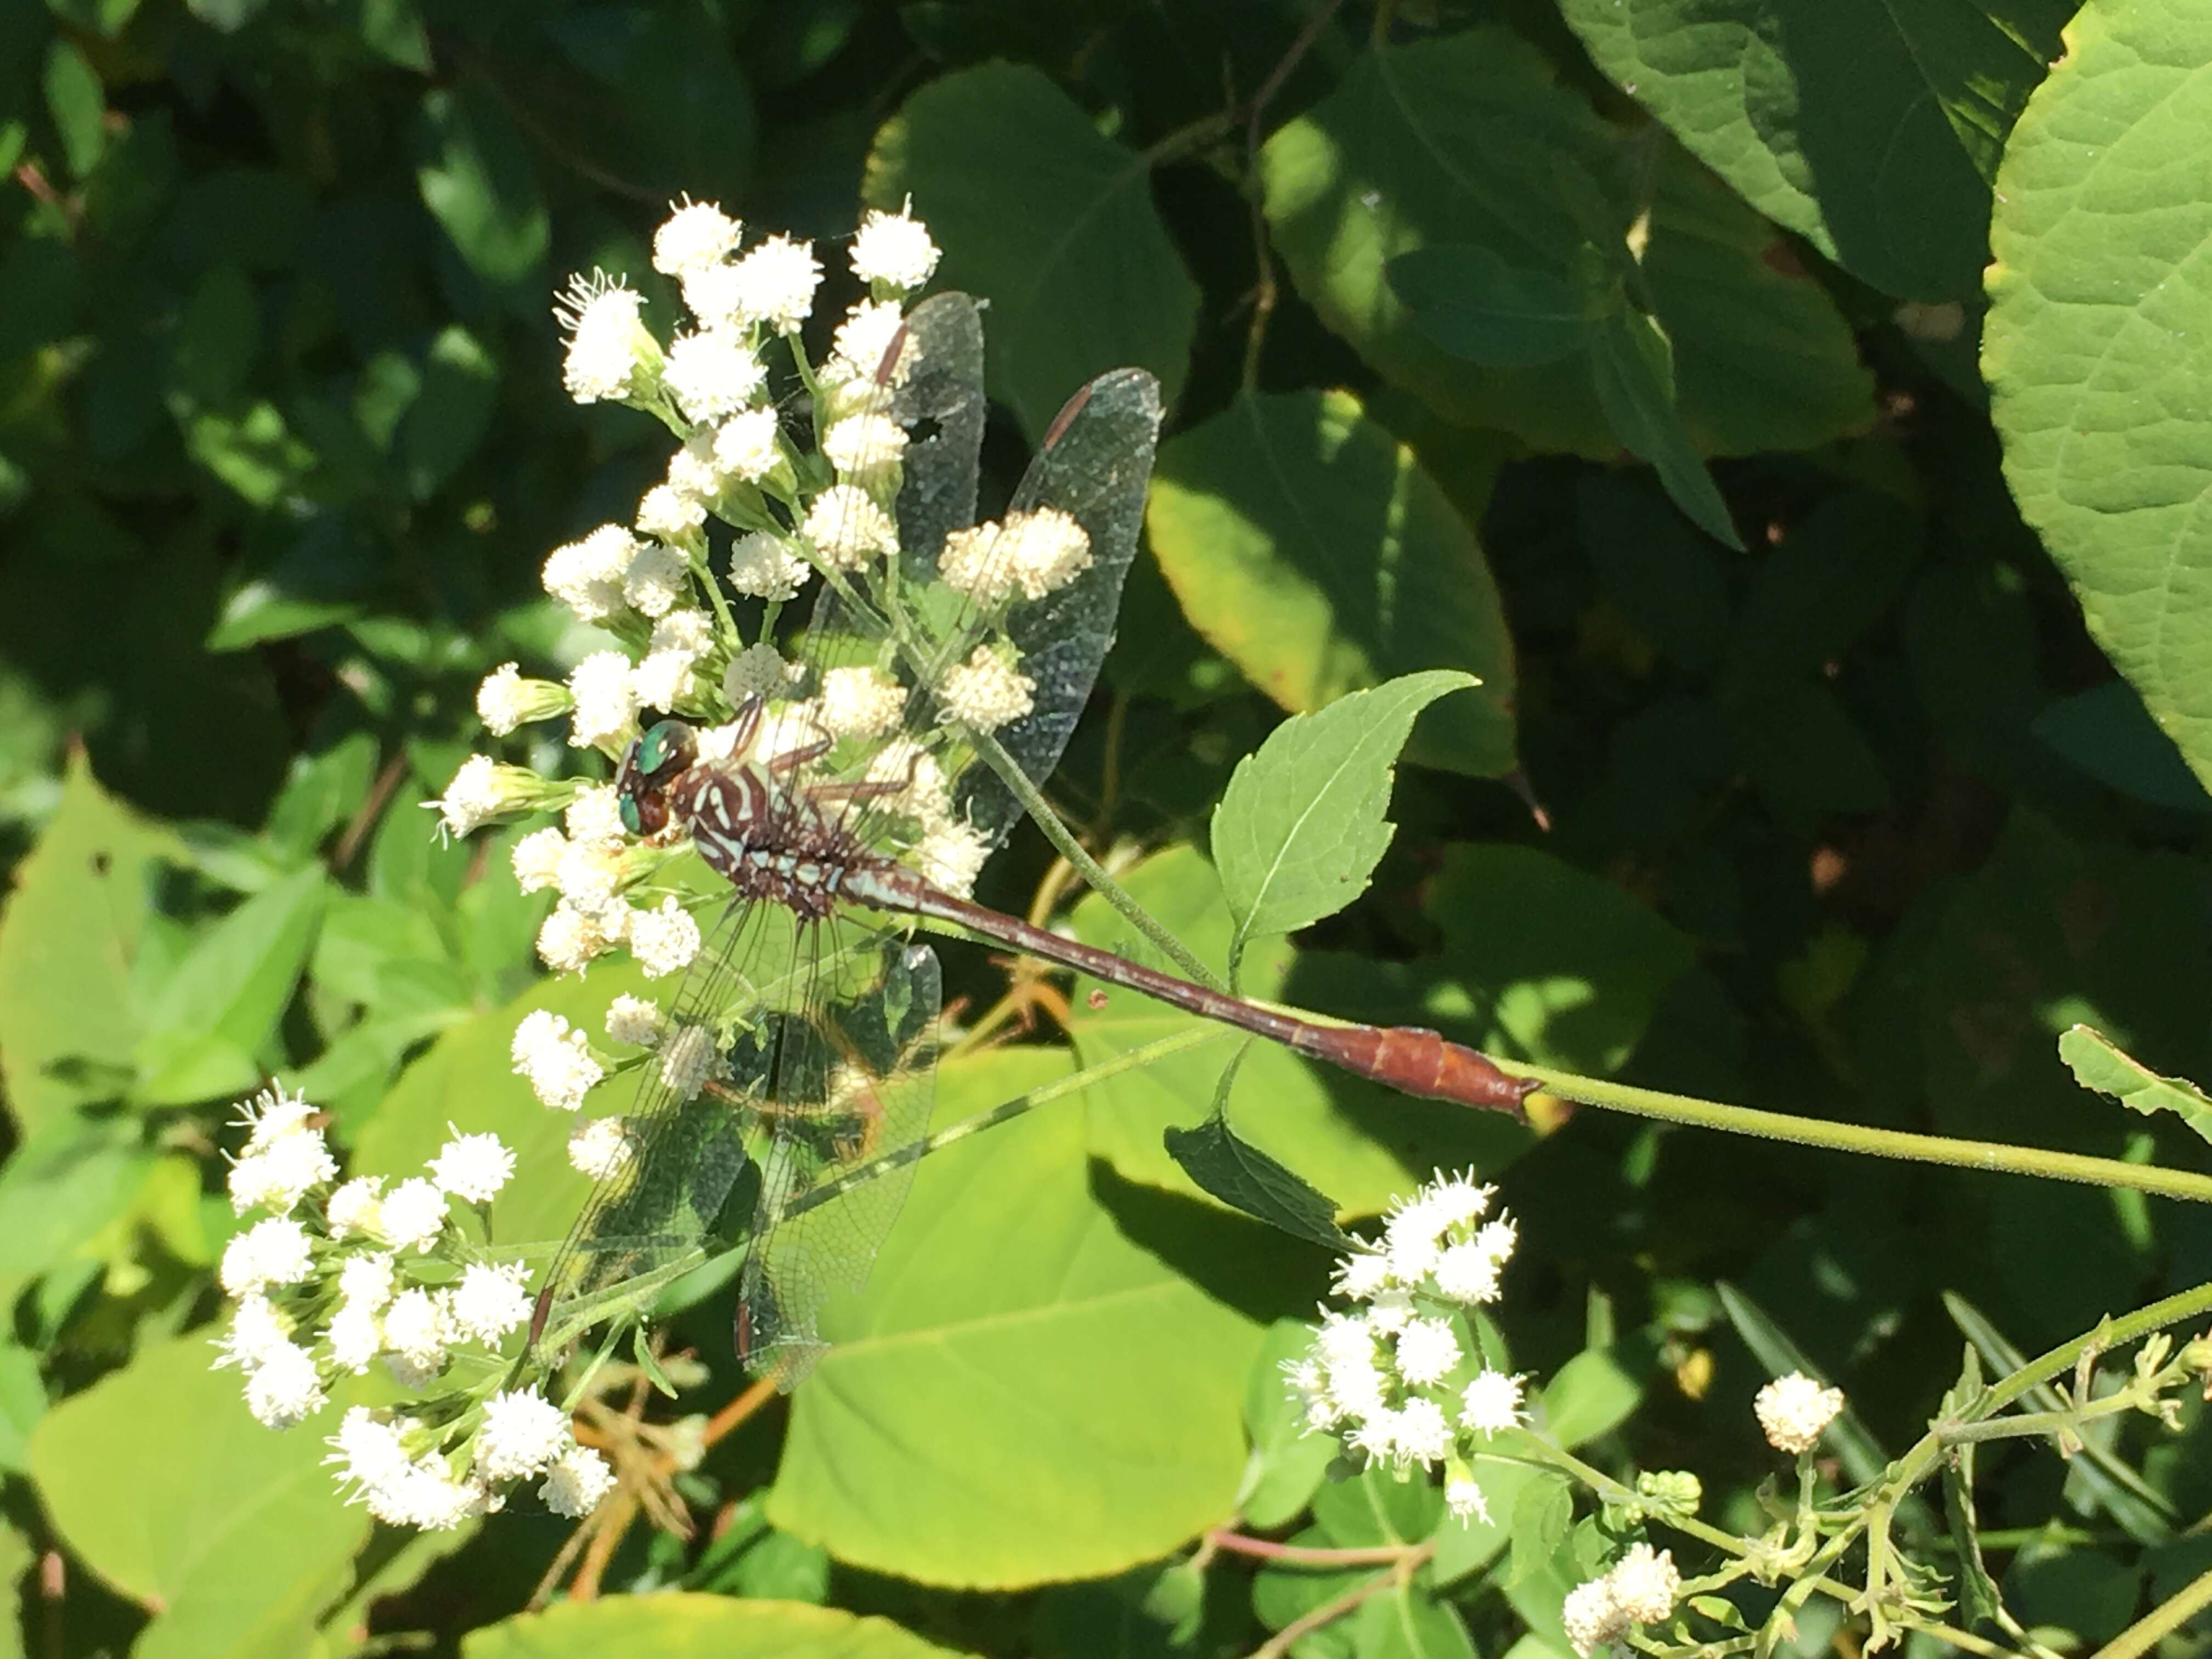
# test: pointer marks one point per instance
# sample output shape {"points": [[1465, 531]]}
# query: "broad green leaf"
{"points": [[449, 417], [1048, 221], [252, 452], [2098, 339], [1666, 578], [1476, 306], [216, 337], [1287, 1461], [68, 1019], [477, 179], [1021, 1394], [1589, 1396], [1551, 964], [1632, 364], [1407, 1622], [16, 1557], [236, 1534], [1835, 572], [749, 1557], [1369, 1144], [1870, 129], [1468, 140], [1312, 549], [22, 1403], [222, 1002], [2097, 1063], [1245, 1178], [684, 1625], [63, 1185], [1301, 827], [2106, 733], [1375, 1507], [78, 104]]}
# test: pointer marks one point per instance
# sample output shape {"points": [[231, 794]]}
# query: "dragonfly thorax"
{"points": [[767, 841]]}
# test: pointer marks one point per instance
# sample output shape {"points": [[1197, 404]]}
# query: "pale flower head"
{"points": [[846, 527], [595, 814], [523, 1433], [747, 447], [571, 939], [670, 514], [414, 1215], [274, 1252], [773, 285], [1422, 1434], [1465, 1500], [285, 1389], [713, 374], [279, 1176], [1645, 1583], [1491, 1403], [695, 235], [506, 700], [416, 1330], [612, 355], [658, 581], [664, 940], [987, 691], [758, 671], [864, 448], [258, 1329], [1795, 1410], [1428, 1349], [355, 1207], [1592, 1616], [604, 687], [472, 1167], [764, 566], [863, 339], [635, 1021], [602, 1148], [554, 1059], [580, 1478], [894, 250], [861, 701], [481, 791], [688, 1059], [950, 855], [587, 576], [273, 1116], [489, 1301], [1044, 550]]}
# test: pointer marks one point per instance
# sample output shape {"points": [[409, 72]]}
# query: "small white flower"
{"points": [[846, 527], [1459, 1200], [285, 1388], [483, 790], [763, 567], [355, 1207], [580, 1478], [595, 814], [369, 1453], [1465, 1500], [950, 855], [755, 671], [775, 284], [472, 1167], [894, 249], [635, 1021], [489, 1301], [278, 1177], [506, 700], [587, 576], [688, 1059], [1358, 1388], [1389, 1311], [258, 1330], [368, 1281], [713, 374], [606, 699], [416, 1330], [695, 234], [664, 940], [1362, 1274], [1375, 1436], [553, 1058], [1645, 1583], [1491, 1403], [658, 581], [355, 1335], [427, 1496], [272, 1116], [571, 939], [987, 691], [610, 353], [1422, 1434], [270, 1253], [693, 471], [865, 337], [1044, 550], [1427, 1351], [601, 1148], [679, 639], [523, 1433], [1592, 1617], [861, 701], [747, 447], [1344, 1336], [537, 859], [670, 514], [590, 876], [1795, 1410], [1468, 1273], [923, 794], [1496, 1239], [864, 448], [414, 1215], [973, 561]]}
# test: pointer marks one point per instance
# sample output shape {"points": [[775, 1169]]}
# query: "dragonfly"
{"points": [[792, 1095]]}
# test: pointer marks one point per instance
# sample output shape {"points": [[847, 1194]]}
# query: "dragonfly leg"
{"points": [[791, 759]]}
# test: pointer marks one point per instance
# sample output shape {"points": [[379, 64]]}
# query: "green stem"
{"points": [[2160, 1622], [1875, 1143], [1033, 802]]}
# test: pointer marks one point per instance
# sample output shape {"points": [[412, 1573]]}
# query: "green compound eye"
{"points": [[655, 747], [632, 820]]}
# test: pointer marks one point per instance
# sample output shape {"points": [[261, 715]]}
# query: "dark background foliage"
{"points": [[1848, 822]]}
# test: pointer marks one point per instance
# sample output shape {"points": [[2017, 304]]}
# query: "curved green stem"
{"points": [[1874, 1143]]}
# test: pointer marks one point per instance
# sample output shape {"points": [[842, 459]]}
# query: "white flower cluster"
{"points": [[334, 1277], [1398, 1379], [1641, 1590], [1794, 1411]]}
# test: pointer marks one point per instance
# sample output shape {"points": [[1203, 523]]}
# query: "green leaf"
{"points": [[1474, 305], [1301, 827], [2107, 732], [1589, 1396], [1022, 1394], [222, 1002], [1374, 1144], [2097, 1063], [1542, 1519], [22, 1403], [476, 179], [253, 454], [1245, 1178], [1467, 140], [1632, 364], [1287, 1462], [67, 1182], [1407, 1622], [1312, 549], [1553, 964], [1464, 1548], [68, 1019], [218, 337], [1051, 223], [2098, 335], [450, 416], [78, 104], [236, 1533], [684, 1625], [1666, 577], [1871, 130]]}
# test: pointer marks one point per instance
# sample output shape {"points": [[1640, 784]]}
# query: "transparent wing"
{"points": [[853, 1084]]}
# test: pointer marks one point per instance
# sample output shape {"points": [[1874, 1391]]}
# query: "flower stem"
{"points": [[1875, 1143], [1379, 1555]]}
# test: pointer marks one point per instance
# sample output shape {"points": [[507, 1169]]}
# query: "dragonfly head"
{"points": [[655, 760]]}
